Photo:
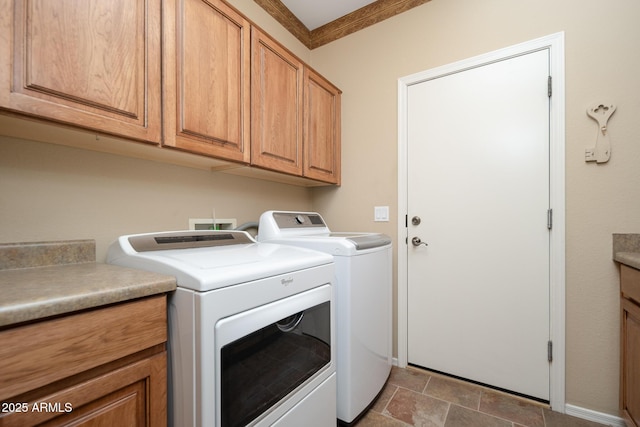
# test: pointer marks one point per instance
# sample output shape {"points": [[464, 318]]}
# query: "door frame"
{"points": [[555, 44]]}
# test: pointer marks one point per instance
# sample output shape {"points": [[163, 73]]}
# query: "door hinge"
{"points": [[549, 218], [550, 351], [549, 85]]}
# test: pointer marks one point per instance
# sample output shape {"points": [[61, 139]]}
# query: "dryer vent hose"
{"points": [[247, 225]]}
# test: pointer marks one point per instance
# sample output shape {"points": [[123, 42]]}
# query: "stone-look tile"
{"points": [[384, 397], [398, 406], [375, 419], [511, 408], [417, 409], [412, 379], [464, 417], [454, 391], [556, 419]]}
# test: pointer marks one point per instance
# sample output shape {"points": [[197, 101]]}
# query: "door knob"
{"points": [[416, 220], [416, 241]]}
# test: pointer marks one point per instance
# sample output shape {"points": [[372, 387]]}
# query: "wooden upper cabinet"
{"points": [[322, 128], [92, 63], [195, 75], [207, 47], [276, 106]]}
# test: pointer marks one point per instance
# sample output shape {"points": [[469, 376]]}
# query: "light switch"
{"points": [[381, 213]]}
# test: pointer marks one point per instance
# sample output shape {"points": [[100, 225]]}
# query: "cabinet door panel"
{"points": [[276, 133], [93, 64], [207, 51], [322, 129], [106, 50], [134, 395], [630, 396]]}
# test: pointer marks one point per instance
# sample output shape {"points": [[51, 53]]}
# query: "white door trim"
{"points": [[555, 44]]}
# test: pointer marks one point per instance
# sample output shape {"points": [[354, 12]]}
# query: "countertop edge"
{"points": [[39, 293], [631, 259]]}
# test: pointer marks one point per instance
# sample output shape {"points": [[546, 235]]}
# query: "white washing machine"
{"points": [[363, 288], [251, 331]]}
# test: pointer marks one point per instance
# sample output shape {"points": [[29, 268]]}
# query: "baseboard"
{"points": [[598, 417]]}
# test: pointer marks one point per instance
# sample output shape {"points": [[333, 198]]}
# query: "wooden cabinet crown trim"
{"points": [[357, 20]]}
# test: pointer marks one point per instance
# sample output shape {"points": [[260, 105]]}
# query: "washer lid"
{"points": [[365, 240], [207, 260]]}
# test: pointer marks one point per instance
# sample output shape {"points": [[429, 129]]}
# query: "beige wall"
{"points": [[602, 65], [49, 192]]}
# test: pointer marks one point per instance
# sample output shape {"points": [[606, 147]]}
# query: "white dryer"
{"points": [[251, 333], [363, 294]]}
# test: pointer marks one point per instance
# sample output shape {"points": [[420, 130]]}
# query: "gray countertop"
{"points": [[52, 282], [626, 249]]}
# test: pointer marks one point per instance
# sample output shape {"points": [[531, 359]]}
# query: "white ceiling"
{"points": [[314, 13]]}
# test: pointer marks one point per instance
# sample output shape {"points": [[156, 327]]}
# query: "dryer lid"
{"points": [[204, 260]]}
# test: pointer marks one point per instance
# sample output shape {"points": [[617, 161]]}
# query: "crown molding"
{"points": [[287, 19], [355, 21]]}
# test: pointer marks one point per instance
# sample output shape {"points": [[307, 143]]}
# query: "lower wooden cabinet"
{"points": [[630, 346], [104, 367]]}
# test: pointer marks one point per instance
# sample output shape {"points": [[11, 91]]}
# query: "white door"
{"points": [[478, 179]]}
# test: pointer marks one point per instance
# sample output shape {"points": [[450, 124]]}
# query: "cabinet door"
{"points": [[276, 106], [206, 88], [322, 129], [630, 353], [92, 63], [134, 395]]}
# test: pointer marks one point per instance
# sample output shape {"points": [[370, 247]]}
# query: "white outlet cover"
{"points": [[381, 213]]}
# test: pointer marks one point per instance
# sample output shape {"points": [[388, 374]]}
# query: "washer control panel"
{"points": [[298, 220]]}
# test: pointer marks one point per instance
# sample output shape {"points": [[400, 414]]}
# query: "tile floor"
{"points": [[415, 397]]}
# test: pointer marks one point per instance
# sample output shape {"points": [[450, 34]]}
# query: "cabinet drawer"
{"points": [[38, 354], [630, 283]]}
